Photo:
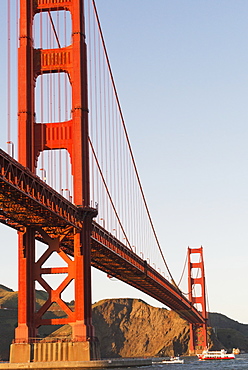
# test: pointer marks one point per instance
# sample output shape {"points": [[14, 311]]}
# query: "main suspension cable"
{"points": [[184, 267], [127, 138]]}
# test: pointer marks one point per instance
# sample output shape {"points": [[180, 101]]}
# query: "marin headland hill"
{"points": [[127, 328]]}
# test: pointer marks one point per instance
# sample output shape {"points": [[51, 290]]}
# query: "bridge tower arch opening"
{"points": [[33, 138]]}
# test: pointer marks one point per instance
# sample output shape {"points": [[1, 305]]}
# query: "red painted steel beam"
{"points": [[46, 5]]}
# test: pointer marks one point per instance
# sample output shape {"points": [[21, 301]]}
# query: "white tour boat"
{"points": [[173, 360], [216, 355]]}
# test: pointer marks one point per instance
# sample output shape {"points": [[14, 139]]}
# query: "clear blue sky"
{"points": [[181, 70]]}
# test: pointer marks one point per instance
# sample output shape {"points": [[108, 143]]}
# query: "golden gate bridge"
{"points": [[75, 187]]}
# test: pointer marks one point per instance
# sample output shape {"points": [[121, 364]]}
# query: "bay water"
{"points": [[240, 362]]}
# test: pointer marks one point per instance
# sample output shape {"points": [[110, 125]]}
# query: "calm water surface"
{"points": [[241, 362]]}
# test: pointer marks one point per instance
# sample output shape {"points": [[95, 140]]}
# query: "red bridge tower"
{"points": [[35, 137], [197, 295]]}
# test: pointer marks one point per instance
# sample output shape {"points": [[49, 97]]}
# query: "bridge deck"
{"points": [[26, 201]]}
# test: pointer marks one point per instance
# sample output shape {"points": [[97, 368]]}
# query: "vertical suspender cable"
{"points": [[67, 114], [90, 99], [59, 117], [105, 127], [42, 95], [9, 80]]}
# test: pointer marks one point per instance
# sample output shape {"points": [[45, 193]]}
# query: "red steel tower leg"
{"points": [[198, 333], [33, 138], [26, 82], [26, 298]]}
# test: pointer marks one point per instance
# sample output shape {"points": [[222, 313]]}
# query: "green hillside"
{"points": [[230, 333]]}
